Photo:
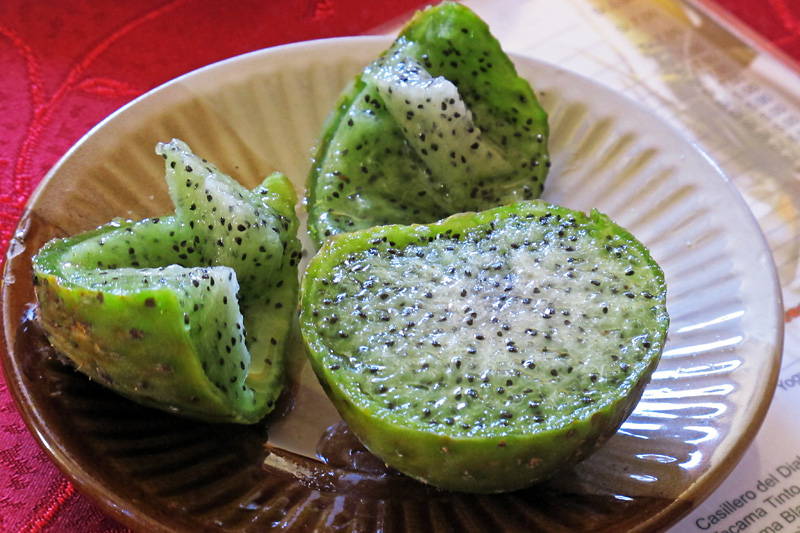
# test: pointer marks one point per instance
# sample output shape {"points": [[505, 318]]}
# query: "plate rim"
{"points": [[119, 508]]}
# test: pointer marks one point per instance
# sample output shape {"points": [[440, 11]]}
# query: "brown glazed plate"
{"points": [[300, 469]]}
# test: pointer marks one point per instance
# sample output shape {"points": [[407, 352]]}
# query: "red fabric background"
{"points": [[776, 20], [67, 65]]}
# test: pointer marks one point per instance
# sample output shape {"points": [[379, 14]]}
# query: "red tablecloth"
{"points": [[66, 65]]}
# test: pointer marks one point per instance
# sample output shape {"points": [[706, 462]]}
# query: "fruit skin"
{"points": [[488, 461], [366, 172], [136, 344], [484, 464], [113, 308]]}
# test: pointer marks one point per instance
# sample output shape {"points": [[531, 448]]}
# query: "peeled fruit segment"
{"points": [[436, 122], [486, 351], [189, 312], [441, 123]]}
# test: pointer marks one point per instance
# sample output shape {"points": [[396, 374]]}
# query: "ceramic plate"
{"points": [[300, 469]]}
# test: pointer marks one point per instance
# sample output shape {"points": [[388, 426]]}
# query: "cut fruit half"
{"points": [[484, 352]]}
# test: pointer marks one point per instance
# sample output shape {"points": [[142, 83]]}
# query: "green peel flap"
{"points": [[441, 123], [190, 312], [435, 121]]}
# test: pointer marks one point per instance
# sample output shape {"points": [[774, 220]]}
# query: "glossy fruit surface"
{"points": [[484, 352], [189, 312], [441, 123]]}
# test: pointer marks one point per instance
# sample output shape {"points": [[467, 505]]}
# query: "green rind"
{"points": [[497, 459], [134, 343], [265, 255], [369, 175], [270, 314], [109, 308]]}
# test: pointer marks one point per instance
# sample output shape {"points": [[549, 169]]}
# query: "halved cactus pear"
{"points": [[190, 312], [438, 125], [486, 351]]}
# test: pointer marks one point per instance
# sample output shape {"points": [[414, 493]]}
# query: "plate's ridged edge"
{"points": [[598, 152], [597, 147]]}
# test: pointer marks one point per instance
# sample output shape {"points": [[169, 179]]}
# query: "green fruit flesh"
{"points": [[440, 124], [190, 312], [485, 351]]}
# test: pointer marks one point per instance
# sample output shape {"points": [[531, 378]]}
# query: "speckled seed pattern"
{"points": [[234, 227], [195, 284], [435, 120], [440, 124], [255, 233], [208, 298], [519, 323]]}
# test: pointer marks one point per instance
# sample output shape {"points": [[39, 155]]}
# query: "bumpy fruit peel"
{"points": [[134, 337], [366, 172]]}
